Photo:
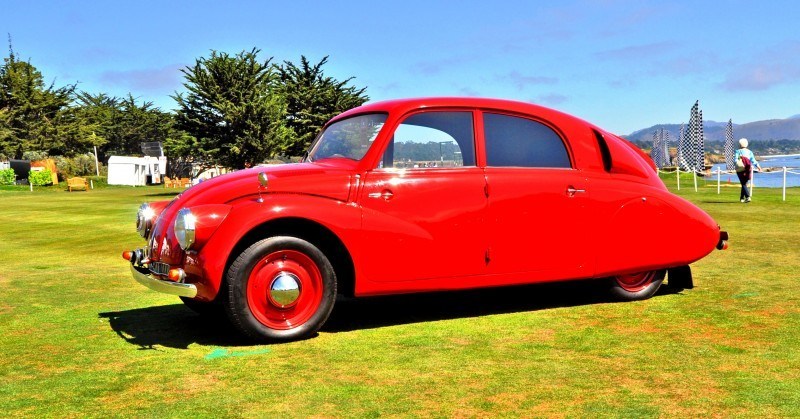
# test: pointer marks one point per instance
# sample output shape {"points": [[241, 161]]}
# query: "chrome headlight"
{"points": [[144, 220], [185, 227]]}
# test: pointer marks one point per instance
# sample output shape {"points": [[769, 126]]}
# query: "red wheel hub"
{"points": [[284, 289], [635, 282]]}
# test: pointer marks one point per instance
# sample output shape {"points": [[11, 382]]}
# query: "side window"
{"points": [[520, 142], [432, 139]]}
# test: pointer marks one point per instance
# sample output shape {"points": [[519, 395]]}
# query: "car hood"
{"points": [[321, 180], [328, 181]]}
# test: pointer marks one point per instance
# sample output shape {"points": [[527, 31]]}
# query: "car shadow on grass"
{"points": [[172, 326], [175, 326], [366, 313]]}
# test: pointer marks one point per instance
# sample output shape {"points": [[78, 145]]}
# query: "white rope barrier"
{"points": [[785, 170], [752, 183]]}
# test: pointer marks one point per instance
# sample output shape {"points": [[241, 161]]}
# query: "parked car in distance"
{"points": [[421, 195]]}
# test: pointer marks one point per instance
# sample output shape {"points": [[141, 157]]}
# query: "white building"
{"points": [[135, 171]]}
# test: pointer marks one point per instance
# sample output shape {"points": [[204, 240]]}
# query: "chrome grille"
{"points": [[159, 268]]}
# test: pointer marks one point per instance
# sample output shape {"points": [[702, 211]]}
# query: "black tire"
{"points": [[634, 287], [205, 309], [680, 278], [253, 305]]}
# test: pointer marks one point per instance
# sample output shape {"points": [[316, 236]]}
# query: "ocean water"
{"points": [[767, 179]]}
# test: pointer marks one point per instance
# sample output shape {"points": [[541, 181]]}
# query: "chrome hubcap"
{"points": [[284, 290]]}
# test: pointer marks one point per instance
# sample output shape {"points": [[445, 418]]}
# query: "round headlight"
{"points": [[144, 220], [185, 225]]}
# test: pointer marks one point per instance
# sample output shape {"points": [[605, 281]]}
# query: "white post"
{"points": [[784, 183], [96, 164], [31, 185], [694, 175], [91, 184], [678, 171], [719, 175]]}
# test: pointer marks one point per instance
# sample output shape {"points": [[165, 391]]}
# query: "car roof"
{"points": [[406, 105]]}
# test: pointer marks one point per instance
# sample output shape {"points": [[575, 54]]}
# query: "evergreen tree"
{"points": [[120, 125], [230, 109], [137, 124], [312, 99], [30, 111]]}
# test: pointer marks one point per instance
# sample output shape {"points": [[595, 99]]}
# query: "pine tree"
{"points": [[231, 110], [30, 111], [312, 99]]}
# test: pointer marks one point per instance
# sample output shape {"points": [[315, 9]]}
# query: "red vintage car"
{"points": [[422, 195]]}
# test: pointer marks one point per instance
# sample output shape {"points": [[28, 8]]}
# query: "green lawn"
{"points": [[79, 337]]}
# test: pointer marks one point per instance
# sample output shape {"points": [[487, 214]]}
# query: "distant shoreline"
{"points": [[780, 155]]}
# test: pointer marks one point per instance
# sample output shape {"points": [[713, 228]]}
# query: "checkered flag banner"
{"points": [[683, 151], [701, 146], [691, 139], [660, 151], [693, 144], [655, 150], [729, 150]]}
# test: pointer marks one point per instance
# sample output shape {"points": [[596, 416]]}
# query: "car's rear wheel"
{"points": [[280, 288], [637, 286]]}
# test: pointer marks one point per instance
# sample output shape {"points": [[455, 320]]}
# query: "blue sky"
{"points": [[621, 64]]}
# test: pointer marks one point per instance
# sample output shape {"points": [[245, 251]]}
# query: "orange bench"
{"points": [[77, 183]]}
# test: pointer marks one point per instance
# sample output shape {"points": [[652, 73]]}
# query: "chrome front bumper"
{"points": [[180, 289]]}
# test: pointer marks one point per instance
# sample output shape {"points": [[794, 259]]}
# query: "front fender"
{"points": [[341, 218]]}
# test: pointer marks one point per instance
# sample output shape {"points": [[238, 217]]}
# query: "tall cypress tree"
{"points": [[30, 111], [231, 110], [312, 99]]}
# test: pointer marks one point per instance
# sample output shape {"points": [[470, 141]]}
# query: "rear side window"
{"points": [[518, 142], [432, 140]]}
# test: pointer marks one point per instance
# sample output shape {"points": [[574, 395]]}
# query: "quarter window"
{"points": [[519, 142], [432, 139]]}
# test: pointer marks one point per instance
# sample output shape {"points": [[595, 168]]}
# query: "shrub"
{"points": [[40, 178], [7, 177], [34, 155], [100, 181], [80, 165]]}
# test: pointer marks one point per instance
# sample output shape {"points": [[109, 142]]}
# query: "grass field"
{"points": [[78, 337]]}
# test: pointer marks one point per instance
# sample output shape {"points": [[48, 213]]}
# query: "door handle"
{"points": [[571, 191], [385, 195]]}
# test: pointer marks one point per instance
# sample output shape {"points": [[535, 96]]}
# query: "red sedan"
{"points": [[421, 195]]}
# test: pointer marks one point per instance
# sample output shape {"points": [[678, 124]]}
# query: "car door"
{"points": [[424, 205], [537, 201]]}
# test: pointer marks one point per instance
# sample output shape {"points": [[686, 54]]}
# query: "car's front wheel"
{"points": [[636, 286], [280, 288]]}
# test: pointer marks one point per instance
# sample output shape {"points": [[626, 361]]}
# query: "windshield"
{"points": [[349, 138]]}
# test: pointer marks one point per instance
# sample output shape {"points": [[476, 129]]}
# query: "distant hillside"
{"points": [[773, 129]]}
